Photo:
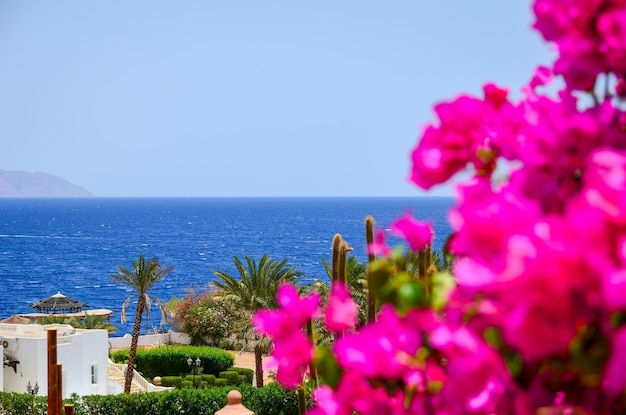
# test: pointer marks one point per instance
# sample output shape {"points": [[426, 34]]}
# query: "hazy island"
{"points": [[38, 184]]}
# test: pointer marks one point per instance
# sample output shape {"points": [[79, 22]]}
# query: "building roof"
{"points": [[15, 319], [58, 303], [96, 312]]}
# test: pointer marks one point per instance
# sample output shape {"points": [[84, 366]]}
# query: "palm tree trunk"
{"points": [[128, 380], [258, 362]]}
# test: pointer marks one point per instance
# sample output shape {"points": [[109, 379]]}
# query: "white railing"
{"points": [[64, 340], [139, 381], [8, 328]]}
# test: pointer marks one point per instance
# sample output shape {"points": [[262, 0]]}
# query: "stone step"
{"points": [[118, 377]]}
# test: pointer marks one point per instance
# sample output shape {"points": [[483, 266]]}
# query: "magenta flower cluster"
{"points": [[537, 318]]}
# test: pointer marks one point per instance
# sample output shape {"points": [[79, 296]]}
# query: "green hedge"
{"points": [[221, 382], [172, 360], [233, 377], [269, 400], [247, 373], [226, 378], [209, 379]]}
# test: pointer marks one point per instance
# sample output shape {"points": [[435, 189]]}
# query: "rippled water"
{"points": [[73, 245]]}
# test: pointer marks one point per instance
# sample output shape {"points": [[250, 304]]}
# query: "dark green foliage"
{"points": [[171, 381], [247, 373], [219, 382], [208, 319], [227, 377], [209, 379], [232, 377], [172, 360], [269, 400], [22, 403]]}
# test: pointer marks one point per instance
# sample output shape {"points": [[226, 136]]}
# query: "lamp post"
{"points": [[194, 365], [33, 391]]}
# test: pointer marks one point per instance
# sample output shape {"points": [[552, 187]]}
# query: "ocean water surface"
{"points": [[74, 245]]}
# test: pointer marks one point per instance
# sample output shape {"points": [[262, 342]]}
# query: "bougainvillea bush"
{"points": [[534, 320]]}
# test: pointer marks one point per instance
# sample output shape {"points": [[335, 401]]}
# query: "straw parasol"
{"points": [[58, 304]]}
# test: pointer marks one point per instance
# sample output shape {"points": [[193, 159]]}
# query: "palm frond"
{"points": [[124, 305]]}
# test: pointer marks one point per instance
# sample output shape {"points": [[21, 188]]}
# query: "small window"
{"points": [[94, 374]]}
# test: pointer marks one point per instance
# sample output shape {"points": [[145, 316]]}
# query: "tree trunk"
{"points": [[258, 361], [128, 380]]}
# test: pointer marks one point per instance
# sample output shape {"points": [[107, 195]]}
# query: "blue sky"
{"points": [[244, 98]]}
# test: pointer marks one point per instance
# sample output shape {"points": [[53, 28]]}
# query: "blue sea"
{"points": [[73, 245]]}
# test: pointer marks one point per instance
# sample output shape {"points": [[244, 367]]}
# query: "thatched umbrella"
{"points": [[58, 304]]}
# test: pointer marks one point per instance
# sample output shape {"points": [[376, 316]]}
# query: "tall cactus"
{"points": [[336, 257], [343, 259], [425, 267], [371, 298]]}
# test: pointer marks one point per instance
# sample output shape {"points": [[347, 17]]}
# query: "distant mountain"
{"points": [[27, 184]]}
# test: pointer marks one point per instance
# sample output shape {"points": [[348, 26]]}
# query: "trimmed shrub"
{"points": [[209, 379], [247, 373], [186, 384], [172, 360], [220, 382], [269, 400], [232, 377], [169, 381]]}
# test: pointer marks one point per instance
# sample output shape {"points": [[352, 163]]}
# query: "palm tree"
{"points": [[144, 275], [255, 289], [91, 322]]}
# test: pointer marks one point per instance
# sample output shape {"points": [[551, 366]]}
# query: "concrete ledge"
{"points": [[171, 337]]}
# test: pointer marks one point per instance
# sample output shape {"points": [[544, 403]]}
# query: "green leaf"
{"points": [[327, 366], [442, 285]]}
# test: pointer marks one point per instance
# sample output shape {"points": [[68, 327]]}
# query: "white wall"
{"points": [[150, 340], [32, 355], [77, 350], [77, 354]]}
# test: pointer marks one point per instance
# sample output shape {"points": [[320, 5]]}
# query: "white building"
{"points": [[82, 353]]}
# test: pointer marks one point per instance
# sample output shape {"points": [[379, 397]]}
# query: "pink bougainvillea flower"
{"points": [[293, 357], [559, 285], [380, 349], [476, 376], [342, 311], [542, 76], [556, 19], [417, 234], [614, 380], [614, 290], [579, 62], [612, 43], [605, 183], [301, 309], [484, 221], [358, 394], [328, 403], [293, 351], [494, 95], [379, 247], [446, 149]]}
